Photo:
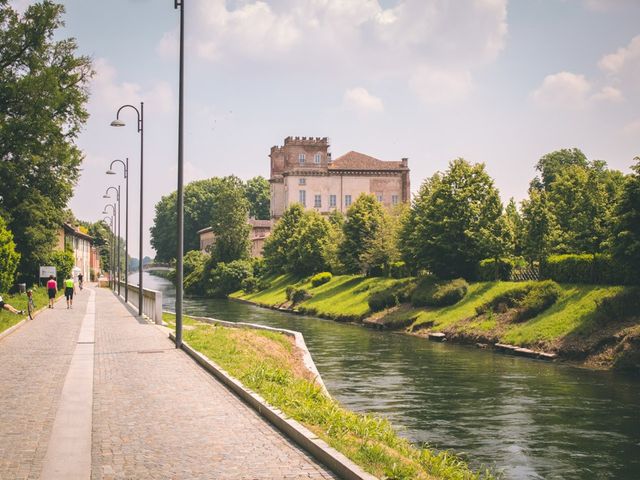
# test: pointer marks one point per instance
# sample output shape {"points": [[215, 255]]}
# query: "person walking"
{"points": [[80, 280], [69, 289], [52, 289]]}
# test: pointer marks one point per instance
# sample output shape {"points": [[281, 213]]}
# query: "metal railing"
{"points": [[151, 301]]}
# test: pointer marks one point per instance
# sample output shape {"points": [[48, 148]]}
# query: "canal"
{"points": [[527, 419]]}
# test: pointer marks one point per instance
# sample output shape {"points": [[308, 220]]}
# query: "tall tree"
{"points": [[307, 254], [538, 226], [258, 193], [452, 218], [43, 92], [9, 258], [279, 243], [229, 221], [626, 239], [552, 163], [364, 219]]}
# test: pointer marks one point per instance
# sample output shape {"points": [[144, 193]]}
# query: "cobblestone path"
{"points": [[156, 414]]}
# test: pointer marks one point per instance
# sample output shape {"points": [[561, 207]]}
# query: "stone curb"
{"points": [[12, 329], [299, 434]]}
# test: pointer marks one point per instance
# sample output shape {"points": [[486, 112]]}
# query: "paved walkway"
{"points": [[92, 393]]}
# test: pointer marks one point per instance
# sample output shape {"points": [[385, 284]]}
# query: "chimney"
{"points": [[405, 162]]}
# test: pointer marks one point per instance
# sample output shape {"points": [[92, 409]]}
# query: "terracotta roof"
{"points": [[76, 232], [360, 161]]}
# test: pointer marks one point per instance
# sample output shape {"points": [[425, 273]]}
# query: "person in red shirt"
{"points": [[52, 288]]}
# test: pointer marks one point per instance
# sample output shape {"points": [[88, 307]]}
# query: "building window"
{"points": [[302, 181], [317, 158], [347, 200], [317, 201], [394, 199], [301, 158], [332, 201], [379, 197], [303, 197]]}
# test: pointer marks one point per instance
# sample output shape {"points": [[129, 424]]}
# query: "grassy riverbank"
{"points": [[270, 364], [19, 301], [576, 326]]}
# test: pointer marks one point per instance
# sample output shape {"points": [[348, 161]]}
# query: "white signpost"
{"points": [[45, 272]]}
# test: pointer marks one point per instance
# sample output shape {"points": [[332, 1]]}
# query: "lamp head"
{"points": [[105, 196], [118, 123], [110, 172], [104, 212]]}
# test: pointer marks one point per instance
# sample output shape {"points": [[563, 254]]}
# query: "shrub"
{"points": [[586, 268], [439, 294], [289, 291], [299, 295], [621, 306], [382, 299], [250, 284], [9, 258], [320, 279], [491, 269], [398, 270], [64, 263], [529, 299], [227, 277]]}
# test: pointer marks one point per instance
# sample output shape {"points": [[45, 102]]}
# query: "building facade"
{"points": [[86, 256], [302, 171], [260, 230]]}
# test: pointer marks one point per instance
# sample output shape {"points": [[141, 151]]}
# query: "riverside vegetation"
{"points": [[269, 364]]}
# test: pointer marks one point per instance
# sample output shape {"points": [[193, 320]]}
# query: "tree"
{"points": [[229, 222], [43, 92], [364, 219], [278, 244], [552, 163], [451, 220], [626, 239], [9, 258], [306, 252], [514, 227], [258, 193], [212, 202], [538, 225]]}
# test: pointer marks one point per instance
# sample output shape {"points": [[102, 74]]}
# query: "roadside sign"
{"points": [[45, 272]]}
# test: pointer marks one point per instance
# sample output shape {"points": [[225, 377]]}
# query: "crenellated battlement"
{"points": [[315, 141]]}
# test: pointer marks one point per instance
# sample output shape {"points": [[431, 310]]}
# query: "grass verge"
{"points": [[269, 364], [19, 301]]}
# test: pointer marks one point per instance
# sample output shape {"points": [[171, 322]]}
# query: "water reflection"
{"points": [[526, 418]]}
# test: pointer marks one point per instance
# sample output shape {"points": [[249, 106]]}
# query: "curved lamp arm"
{"points": [[124, 165], [119, 123], [117, 190]]}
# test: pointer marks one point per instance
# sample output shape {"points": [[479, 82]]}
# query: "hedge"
{"points": [[596, 269], [491, 269], [529, 299], [321, 278], [430, 293], [390, 297]]}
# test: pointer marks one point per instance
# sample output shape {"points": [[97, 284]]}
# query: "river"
{"points": [[525, 418]]}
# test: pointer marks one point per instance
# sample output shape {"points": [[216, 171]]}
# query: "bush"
{"points": [[529, 299], [289, 291], [227, 277], [398, 270], [431, 293], [320, 278], [390, 297], [622, 306], [592, 269], [299, 295], [9, 258], [64, 263], [250, 284], [491, 269]]}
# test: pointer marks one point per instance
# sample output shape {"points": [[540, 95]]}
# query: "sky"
{"points": [[494, 81]]}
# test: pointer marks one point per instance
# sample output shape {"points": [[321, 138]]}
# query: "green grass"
{"points": [[477, 294], [344, 297], [19, 301], [266, 363]]}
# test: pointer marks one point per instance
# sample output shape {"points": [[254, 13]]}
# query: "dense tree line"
{"points": [[43, 93]]}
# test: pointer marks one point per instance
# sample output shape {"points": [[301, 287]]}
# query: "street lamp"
{"points": [[180, 199], [114, 219], [119, 123], [125, 165], [106, 195]]}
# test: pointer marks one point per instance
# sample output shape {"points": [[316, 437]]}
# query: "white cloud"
{"points": [[107, 93], [572, 91], [624, 58], [608, 94], [435, 86], [357, 38], [632, 129], [360, 99]]}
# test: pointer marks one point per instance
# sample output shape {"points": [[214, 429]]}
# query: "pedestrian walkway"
{"points": [[92, 392]]}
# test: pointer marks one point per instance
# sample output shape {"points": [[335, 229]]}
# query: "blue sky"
{"points": [[494, 81]]}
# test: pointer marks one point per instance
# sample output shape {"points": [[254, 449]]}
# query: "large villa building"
{"points": [[302, 171]]}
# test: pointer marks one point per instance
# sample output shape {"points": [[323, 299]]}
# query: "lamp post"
{"points": [[125, 165], [114, 218], [119, 264], [119, 123], [180, 200]]}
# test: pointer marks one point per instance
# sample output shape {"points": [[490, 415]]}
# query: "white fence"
{"points": [[151, 301]]}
